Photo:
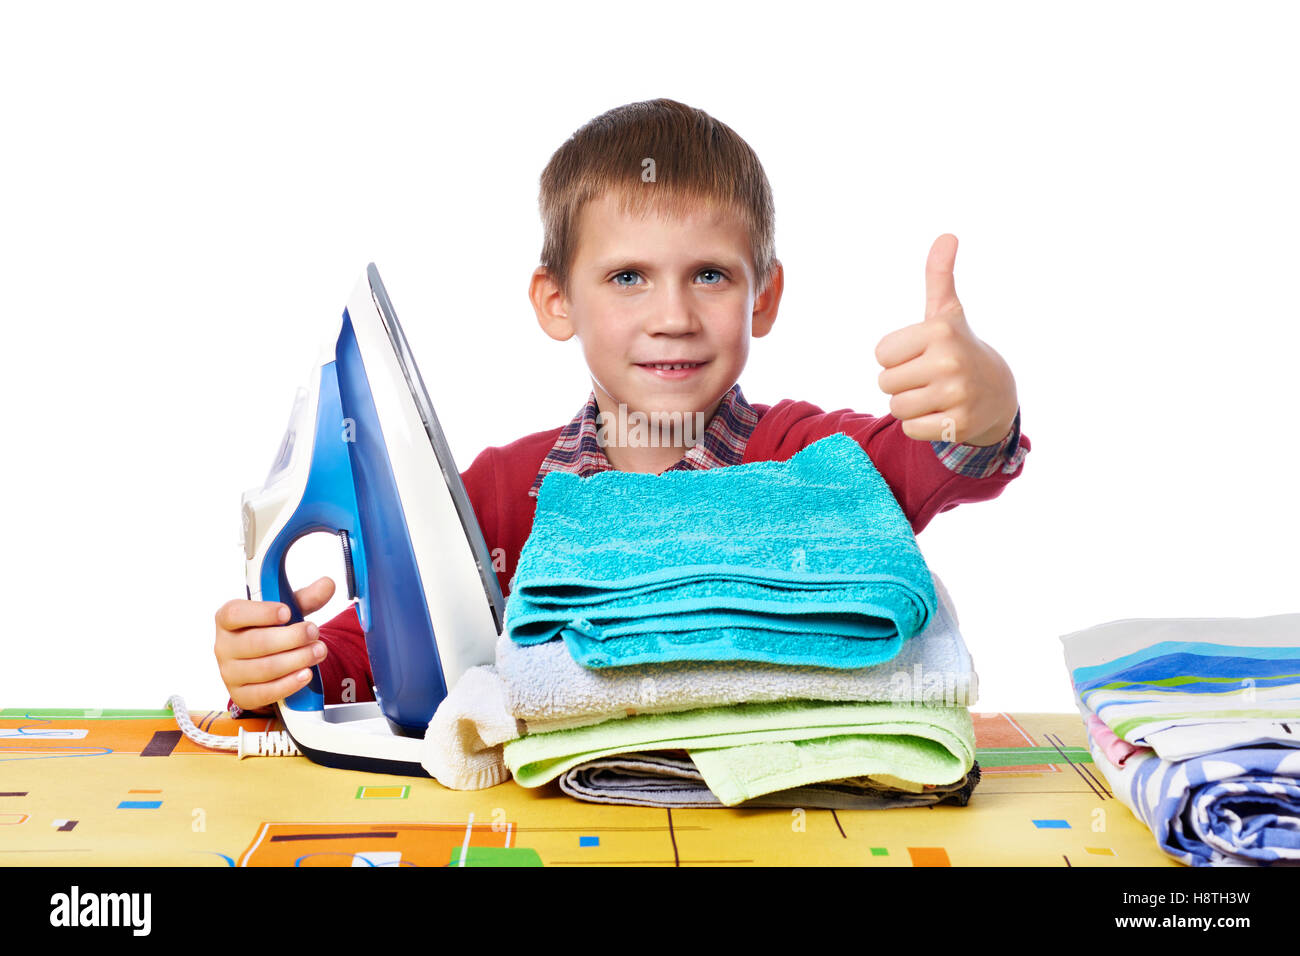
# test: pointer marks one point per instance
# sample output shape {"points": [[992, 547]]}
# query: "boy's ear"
{"points": [[550, 304], [768, 301]]}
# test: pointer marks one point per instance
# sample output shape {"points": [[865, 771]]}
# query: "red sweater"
{"points": [[499, 478]]}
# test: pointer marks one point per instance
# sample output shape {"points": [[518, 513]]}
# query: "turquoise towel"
{"points": [[809, 561]]}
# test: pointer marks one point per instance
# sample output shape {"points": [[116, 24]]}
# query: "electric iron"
{"points": [[365, 458]]}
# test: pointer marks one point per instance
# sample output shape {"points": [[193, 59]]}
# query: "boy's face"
{"points": [[651, 290]]}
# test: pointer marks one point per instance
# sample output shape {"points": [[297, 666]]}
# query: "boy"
{"points": [[637, 206]]}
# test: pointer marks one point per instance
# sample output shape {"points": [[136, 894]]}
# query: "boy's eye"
{"points": [[618, 277]]}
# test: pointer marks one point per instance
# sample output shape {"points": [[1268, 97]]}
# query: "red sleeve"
{"points": [[923, 485], [347, 658], [498, 483], [483, 487]]}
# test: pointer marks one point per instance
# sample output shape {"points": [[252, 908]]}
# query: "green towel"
{"points": [[736, 774], [747, 750]]}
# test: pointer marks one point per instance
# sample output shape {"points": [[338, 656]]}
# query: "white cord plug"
{"points": [[271, 743]]}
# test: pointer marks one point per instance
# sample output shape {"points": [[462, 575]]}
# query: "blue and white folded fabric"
{"points": [[1191, 686], [808, 561], [1213, 707], [1240, 807]]}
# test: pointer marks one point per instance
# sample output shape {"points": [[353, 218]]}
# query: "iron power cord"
{"points": [[271, 743]]}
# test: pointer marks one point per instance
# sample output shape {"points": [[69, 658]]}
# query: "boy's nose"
{"points": [[672, 313]]}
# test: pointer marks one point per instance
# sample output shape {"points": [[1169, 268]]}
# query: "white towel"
{"points": [[463, 744]]}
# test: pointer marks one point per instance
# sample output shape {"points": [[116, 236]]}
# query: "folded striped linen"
{"points": [[671, 779], [808, 561], [1191, 686], [548, 690], [1117, 751], [1239, 807], [747, 750], [1208, 708]]}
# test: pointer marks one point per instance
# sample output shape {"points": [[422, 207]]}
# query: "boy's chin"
{"points": [[645, 392], [668, 400]]}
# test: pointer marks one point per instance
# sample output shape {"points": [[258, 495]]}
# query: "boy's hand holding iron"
{"points": [[261, 656], [946, 384]]}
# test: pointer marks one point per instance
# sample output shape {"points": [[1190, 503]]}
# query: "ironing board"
{"points": [[125, 788]]}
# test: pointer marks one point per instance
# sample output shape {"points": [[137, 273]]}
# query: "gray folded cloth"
{"points": [[670, 779], [548, 690]]}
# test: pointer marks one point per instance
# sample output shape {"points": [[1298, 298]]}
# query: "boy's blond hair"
{"points": [[655, 155]]}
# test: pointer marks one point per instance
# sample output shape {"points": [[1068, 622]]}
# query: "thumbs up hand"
{"points": [[946, 384]]}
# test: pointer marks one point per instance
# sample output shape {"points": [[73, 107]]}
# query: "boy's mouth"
{"points": [[672, 370]]}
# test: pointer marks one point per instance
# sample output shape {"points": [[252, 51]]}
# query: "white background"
{"points": [[188, 195]]}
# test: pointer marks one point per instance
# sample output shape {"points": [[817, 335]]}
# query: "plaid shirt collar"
{"points": [[578, 450]]}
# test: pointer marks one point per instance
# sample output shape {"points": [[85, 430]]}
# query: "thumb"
{"points": [[315, 595], [940, 288]]}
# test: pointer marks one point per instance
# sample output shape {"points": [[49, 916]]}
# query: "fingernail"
{"points": [[312, 631], [318, 650], [303, 675], [283, 613]]}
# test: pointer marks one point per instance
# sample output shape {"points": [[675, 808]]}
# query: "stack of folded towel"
{"points": [[766, 634], [1195, 722]]}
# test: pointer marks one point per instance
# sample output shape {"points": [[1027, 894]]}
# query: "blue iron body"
{"points": [[416, 560]]}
